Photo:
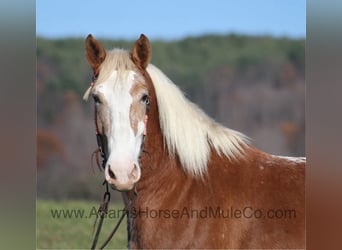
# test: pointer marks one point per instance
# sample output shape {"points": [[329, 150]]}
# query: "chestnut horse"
{"points": [[198, 184]]}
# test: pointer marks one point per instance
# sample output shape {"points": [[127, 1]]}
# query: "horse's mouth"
{"points": [[114, 187]]}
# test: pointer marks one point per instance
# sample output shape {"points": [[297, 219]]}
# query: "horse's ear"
{"points": [[141, 52], [95, 53]]}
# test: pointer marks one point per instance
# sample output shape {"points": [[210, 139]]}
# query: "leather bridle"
{"points": [[102, 144]]}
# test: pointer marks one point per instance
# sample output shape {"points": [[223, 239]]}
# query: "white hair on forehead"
{"points": [[116, 59]]}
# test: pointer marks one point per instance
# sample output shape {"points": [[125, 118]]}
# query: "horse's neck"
{"points": [[153, 161], [154, 155]]}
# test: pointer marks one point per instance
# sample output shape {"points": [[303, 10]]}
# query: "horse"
{"points": [[189, 181]]}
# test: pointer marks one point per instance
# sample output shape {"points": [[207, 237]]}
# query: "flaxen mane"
{"points": [[188, 131]]}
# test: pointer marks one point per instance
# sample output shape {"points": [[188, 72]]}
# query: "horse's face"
{"points": [[121, 103]]}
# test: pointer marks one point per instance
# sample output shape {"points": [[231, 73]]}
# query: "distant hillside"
{"points": [[185, 61], [252, 84]]}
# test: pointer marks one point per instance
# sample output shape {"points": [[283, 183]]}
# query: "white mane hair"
{"points": [[188, 131]]}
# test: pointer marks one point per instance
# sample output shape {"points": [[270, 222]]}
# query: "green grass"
{"points": [[75, 232]]}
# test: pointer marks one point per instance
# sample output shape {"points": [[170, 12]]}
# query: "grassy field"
{"points": [[69, 225]]}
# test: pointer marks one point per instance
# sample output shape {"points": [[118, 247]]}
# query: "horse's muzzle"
{"points": [[120, 179]]}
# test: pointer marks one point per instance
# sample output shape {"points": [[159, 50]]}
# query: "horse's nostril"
{"points": [[110, 172], [135, 174]]}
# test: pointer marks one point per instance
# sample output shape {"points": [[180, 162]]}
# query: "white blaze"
{"points": [[123, 145]]}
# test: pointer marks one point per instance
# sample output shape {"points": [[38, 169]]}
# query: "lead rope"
{"points": [[102, 211], [126, 211]]}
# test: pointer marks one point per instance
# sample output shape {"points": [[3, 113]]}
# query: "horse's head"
{"points": [[121, 97]]}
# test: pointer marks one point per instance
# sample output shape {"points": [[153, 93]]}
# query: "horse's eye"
{"points": [[96, 99], [145, 99]]}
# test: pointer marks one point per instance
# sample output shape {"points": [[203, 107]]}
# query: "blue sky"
{"points": [[169, 19]]}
